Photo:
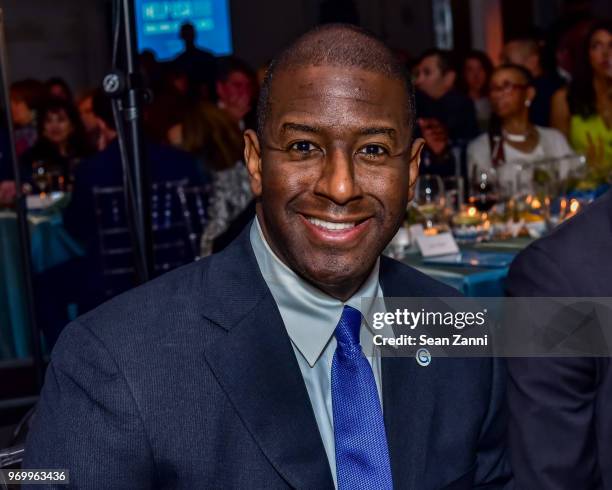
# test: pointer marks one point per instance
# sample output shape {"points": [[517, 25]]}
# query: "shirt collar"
{"points": [[310, 315]]}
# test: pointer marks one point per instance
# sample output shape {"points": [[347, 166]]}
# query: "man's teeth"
{"points": [[328, 225]]}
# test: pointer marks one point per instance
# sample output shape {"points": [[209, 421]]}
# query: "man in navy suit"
{"points": [[561, 409], [246, 369]]}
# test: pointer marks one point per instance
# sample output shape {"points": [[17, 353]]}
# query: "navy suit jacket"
{"points": [[561, 409], [190, 381]]}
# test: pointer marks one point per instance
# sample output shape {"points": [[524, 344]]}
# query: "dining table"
{"points": [[472, 280]]}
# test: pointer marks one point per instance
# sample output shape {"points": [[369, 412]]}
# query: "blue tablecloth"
{"points": [[472, 281], [50, 245]]}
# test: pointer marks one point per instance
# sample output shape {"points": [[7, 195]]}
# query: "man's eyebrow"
{"points": [[303, 128], [378, 130]]}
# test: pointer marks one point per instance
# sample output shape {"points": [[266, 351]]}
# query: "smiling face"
{"points": [[334, 171]]}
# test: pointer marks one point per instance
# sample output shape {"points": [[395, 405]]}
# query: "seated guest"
{"points": [[26, 97], [104, 169], [236, 91], [445, 115], [209, 134], [513, 140], [526, 53], [583, 112], [246, 369], [88, 118], [61, 144], [58, 88], [561, 409], [475, 78]]}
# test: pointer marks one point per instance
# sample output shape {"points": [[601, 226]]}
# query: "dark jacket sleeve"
{"points": [[87, 420], [551, 400]]}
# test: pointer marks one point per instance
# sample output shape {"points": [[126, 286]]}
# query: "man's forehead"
{"points": [[320, 86]]}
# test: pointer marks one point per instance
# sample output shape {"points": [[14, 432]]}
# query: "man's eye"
{"points": [[373, 151], [302, 147]]}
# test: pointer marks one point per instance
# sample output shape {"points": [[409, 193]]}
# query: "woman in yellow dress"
{"points": [[583, 112]]}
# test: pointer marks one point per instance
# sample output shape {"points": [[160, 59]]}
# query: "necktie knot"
{"points": [[347, 330]]}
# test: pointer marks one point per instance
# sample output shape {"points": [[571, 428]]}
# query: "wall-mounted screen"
{"points": [[158, 23]]}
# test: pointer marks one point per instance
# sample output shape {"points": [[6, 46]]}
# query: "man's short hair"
{"points": [[342, 45], [445, 59]]}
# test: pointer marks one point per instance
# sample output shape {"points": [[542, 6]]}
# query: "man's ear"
{"points": [[415, 161], [252, 158]]}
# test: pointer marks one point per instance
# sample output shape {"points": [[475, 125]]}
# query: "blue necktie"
{"points": [[362, 454]]}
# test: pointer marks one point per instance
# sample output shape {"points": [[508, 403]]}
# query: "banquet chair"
{"points": [[171, 243], [194, 205]]}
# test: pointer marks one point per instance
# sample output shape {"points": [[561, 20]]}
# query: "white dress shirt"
{"points": [[310, 317]]}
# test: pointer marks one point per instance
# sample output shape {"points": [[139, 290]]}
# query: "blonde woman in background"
{"points": [[213, 138]]}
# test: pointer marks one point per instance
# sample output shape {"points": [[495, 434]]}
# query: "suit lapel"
{"points": [[255, 365], [408, 400]]}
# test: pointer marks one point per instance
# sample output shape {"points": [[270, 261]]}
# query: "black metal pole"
{"points": [[133, 116], [125, 85], [22, 220]]}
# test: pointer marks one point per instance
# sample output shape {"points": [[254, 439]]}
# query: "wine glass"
{"points": [[484, 192], [430, 197], [41, 176]]}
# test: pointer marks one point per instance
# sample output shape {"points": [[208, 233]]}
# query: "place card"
{"points": [[440, 244], [415, 231]]}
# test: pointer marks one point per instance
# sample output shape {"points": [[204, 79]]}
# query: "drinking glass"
{"points": [[484, 191], [41, 176], [430, 197]]}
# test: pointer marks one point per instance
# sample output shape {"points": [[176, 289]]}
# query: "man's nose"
{"points": [[337, 180]]}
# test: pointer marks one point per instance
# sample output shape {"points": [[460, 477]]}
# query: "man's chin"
{"points": [[337, 275]]}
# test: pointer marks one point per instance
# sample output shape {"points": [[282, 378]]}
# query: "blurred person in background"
{"points": [[525, 52], [197, 63], [512, 139], [236, 91], [568, 43], [212, 137], [171, 99], [150, 69], [58, 88], [26, 97], [583, 112], [474, 82], [445, 116], [104, 169], [61, 145], [88, 118]]}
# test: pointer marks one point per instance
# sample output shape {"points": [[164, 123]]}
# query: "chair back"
{"points": [[171, 244], [194, 204]]}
